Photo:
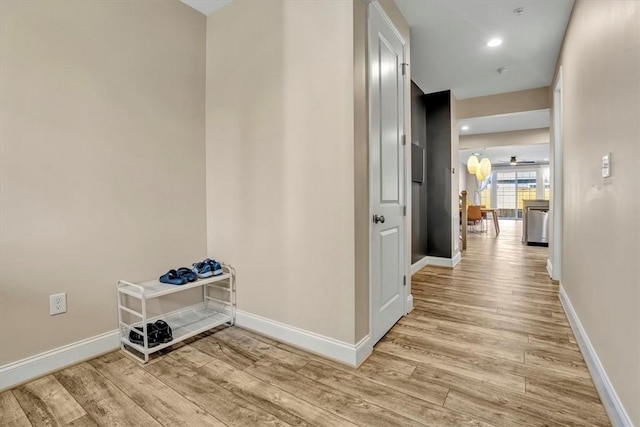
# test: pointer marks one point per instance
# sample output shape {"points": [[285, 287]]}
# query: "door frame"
{"points": [[406, 259], [554, 265]]}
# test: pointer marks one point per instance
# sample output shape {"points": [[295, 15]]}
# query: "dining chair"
{"points": [[474, 216]]}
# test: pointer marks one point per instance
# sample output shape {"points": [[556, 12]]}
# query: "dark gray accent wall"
{"points": [[438, 173], [418, 191]]}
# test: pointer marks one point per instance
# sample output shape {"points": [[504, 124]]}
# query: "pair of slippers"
{"points": [[202, 270], [179, 277], [157, 333]]}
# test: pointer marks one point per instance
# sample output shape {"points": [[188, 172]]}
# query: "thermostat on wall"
{"points": [[606, 165]]}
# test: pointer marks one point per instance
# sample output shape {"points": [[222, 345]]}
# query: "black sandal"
{"points": [[152, 336], [163, 331]]}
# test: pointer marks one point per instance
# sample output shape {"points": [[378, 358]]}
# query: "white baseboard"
{"points": [[363, 349], [549, 268], [419, 265], [610, 399], [409, 306], [456, 259], [349, 354], [437, 261], [28, 369]]}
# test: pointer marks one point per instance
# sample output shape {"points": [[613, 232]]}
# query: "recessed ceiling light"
{"points": [[494, 42], [465, 127], [503, 70], [546, 160]]}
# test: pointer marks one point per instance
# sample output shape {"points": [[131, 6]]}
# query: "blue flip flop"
{"points": [[173, 278], [188, 274]]}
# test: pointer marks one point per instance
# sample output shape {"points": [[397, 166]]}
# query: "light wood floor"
{"points": [[487, 344]]}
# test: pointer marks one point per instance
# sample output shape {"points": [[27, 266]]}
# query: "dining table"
{"points": [[494, 216]]}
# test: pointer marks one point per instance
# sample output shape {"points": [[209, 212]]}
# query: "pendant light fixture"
{"points": [[485, 166], [481, 169], [472, 164]]}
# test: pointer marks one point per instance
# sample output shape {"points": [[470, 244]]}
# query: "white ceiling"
{"points": [[448, 44], [538, 153], [535, 119], [206, 6]]}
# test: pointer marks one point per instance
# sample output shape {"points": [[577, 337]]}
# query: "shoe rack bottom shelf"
{"points": [[185, 323]]}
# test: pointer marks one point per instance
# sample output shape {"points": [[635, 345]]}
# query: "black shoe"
{"points": [[152, 336], [163, 331]]}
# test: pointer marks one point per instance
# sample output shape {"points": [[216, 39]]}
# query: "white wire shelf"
{"points": [[185, 324], [155, 288], [213, 310]]}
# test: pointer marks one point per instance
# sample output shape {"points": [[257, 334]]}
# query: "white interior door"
{"points": [[387, 173]]}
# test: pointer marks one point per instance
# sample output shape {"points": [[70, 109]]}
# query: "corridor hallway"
{"points": [[486, 345], [493, 331]]}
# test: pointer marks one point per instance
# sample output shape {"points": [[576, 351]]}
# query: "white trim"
{"points": [[364, 348], [556, 171], [456, 259], [349, 354], [36, 366], [388, 20], [409, 305], [442, 262], [419, 265], [437, 261], [549, 268], [617, 414]]}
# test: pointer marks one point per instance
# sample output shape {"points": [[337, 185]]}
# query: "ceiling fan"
{"points": [[516, 162]]}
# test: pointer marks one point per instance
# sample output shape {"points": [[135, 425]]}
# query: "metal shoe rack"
{"points": [[217, 308]]}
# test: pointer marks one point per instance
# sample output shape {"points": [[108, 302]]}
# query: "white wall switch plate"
{"points": [[606, 165], [58, 304]]}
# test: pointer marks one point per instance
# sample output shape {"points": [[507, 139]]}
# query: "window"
{"points": [[506, 194], [526, 184], [547, 183], [513, 188]]}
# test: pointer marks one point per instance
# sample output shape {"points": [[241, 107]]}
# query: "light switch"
{"points": [[606, 165]]}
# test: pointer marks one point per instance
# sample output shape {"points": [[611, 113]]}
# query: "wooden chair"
{"points": [[484, 217], [474, 216]]}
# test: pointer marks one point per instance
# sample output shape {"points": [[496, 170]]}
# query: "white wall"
{"points": [[455, 180], [462, 176], [102, 167]]}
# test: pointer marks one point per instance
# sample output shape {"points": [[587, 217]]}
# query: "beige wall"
{"points": [[497, 139], [280, 159], [510, 102], [102, 167], [287, 156], [361, 168], [601, 63]]}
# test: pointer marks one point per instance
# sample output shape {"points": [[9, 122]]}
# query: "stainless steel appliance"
{"points": [[538, 226]]}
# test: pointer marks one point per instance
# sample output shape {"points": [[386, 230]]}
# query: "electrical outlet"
{"points": [[57, 304]]}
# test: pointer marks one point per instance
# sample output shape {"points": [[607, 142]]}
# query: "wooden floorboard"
{"points": [[488, 344]]}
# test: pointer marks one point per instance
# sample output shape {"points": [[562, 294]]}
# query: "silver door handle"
{"points": [[378, 218]]}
